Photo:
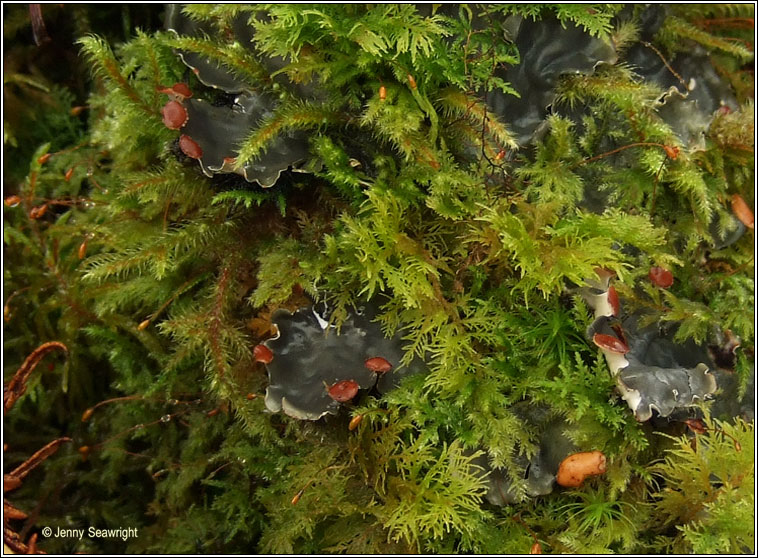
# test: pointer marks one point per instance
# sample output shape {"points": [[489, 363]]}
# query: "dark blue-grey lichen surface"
{"points": [[692, 90], [540, 470], [688, 367], [209, 73], [310, 356], [549, 49], [692, 95], [219, 130], [662, 375]]}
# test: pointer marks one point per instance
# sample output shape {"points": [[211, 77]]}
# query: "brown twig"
{"points": [[665, 62], [39, 31], [617, 150], [27, 466], [17, 386], [88, 413], [734, 22]]}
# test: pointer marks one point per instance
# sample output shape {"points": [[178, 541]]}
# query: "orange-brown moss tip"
{"points": [[742, 211], [84, 451], [38, 212], [10, 482], [296, 498], [33, 544], [17, 385], [354, 422], [672, 152], [13, 513], [86, 415], [696, 425], [577, 467]]}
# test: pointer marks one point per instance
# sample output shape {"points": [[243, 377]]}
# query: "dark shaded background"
{"points": [[40, 80]]}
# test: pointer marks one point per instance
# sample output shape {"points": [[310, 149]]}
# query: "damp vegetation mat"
{"points": [[379, 278]]}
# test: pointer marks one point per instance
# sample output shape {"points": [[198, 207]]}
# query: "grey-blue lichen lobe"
{"points": [[310, 355], [549, 49], [219, 130], [665, 389], [209, 73], [539, 471], [655, 373]]}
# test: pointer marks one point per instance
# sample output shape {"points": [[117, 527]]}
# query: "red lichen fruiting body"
{"points": [[190, 147], [378, 364], [619, 332], [610, 343], [604, 274], [174, 115], [742, 211], [344, 390], [577, 467], [613, 300], [263, 354], [661, 277], [178, 92], [182, 89]]}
